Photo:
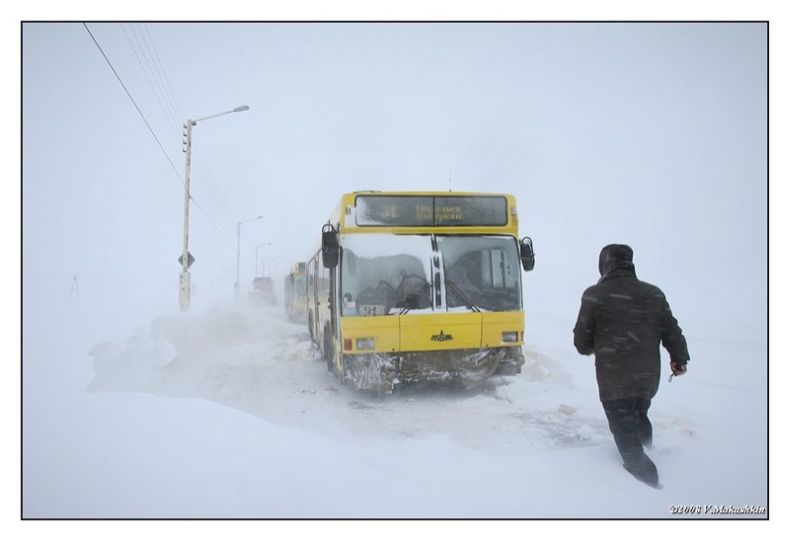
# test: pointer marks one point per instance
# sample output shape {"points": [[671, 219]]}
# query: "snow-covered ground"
{"points": [[226, 412]]}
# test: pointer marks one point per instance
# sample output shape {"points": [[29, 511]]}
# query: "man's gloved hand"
{"points": [[678, 368]]}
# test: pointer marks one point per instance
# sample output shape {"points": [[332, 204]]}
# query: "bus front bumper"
{"points": [[382, 371]]}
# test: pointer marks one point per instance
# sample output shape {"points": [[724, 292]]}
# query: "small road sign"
{"points": [[190, 260]]}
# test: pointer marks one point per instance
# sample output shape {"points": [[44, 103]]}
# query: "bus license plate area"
{"points": [[371, 310]]}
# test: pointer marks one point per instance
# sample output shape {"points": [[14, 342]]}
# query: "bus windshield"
{"points": [[299, 286], [386, 274], [383, 274], [481, 272]]}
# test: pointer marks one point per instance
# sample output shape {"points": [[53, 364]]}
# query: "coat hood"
{"points": [[616, 257]]}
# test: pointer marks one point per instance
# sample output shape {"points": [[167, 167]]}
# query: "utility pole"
{"points": [[186, 259], [238, 251], [75, 288], [256, 259], [236, 285], [184, 280]]}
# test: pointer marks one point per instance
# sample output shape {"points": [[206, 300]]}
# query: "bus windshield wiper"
{"points": [[416, 296], [461, 295]]}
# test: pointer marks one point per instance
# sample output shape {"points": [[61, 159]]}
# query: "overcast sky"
{"points": [[648, 134]]}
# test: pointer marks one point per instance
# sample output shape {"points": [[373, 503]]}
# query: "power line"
{"points": [[163, 88], [160, 84], [208, 217], [158, 142], [154, 72], [165, 78], [153, 134], [173, 126]]}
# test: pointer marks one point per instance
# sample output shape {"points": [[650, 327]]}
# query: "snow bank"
{"points": [[228, 413]]}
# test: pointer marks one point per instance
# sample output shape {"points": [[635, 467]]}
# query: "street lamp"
{"points": [[238, 250], [256, 257], [184, 280]]}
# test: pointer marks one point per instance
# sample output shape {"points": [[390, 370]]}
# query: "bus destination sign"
{"points": [[430, 211]]}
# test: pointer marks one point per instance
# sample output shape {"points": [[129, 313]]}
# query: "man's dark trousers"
{"points": [[631, 430]]}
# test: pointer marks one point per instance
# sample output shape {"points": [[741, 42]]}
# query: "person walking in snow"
{"points": [[622, 320]]}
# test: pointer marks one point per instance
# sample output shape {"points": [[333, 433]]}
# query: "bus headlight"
{"points": [[509, 337], [364, 344]]}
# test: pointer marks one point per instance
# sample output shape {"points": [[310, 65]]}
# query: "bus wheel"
{"points": [[329, 353]]}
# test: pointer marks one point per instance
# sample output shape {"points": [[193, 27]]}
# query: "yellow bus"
{"points": [[296, 292], [419, 286]]}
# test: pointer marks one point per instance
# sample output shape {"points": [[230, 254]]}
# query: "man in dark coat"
{"points": [[622, 320]]}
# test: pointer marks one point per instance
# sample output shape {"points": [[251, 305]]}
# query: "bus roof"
{"points": [[344, 216]]}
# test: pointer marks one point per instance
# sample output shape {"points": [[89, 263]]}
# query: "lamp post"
{"points": [[256, 257], [238, 250], [184, 280]]}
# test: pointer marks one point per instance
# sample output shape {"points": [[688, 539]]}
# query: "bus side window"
{"points": [[322, 289], [315, 277]]}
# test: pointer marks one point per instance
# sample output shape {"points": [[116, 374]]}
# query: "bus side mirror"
{"points": [[527, 254], [330, 248]]}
